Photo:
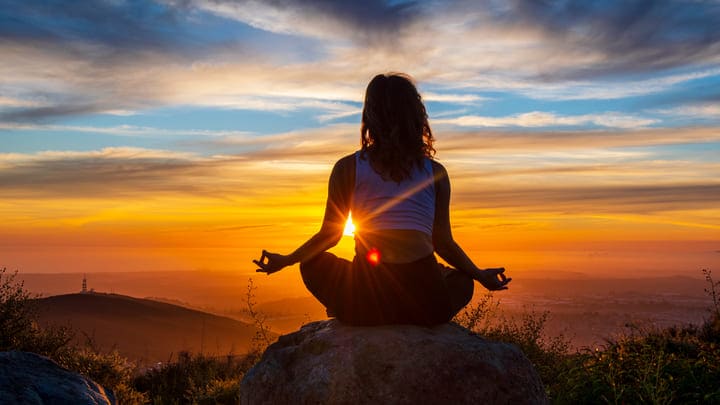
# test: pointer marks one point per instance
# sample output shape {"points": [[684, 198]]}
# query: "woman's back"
{"points": [[381, 203], [395, 218]]}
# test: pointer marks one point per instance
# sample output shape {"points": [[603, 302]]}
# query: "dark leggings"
{"points": [[422, 292]]}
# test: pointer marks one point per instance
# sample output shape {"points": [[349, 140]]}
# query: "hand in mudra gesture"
{"points": [[493, 279], [271, 262]]}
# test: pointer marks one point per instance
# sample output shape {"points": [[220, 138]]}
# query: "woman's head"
{"points": [[395, 132]]}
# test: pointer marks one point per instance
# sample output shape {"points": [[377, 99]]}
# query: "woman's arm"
{"points": [[445, 245], [340, 188]]}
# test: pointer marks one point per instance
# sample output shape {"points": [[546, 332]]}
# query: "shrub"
{"points": [[19, 330], [672, 365], [200, 379], [656, 366], [548, 354], [195, 379], [659, 366]]}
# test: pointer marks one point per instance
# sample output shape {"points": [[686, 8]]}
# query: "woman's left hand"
{"points": [[271, 262]]}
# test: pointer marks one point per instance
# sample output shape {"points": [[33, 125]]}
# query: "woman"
{"points": [[399, 197]]}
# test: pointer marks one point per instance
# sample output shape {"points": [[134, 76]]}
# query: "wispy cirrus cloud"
{"points": [[709, 110], [104, 174], [537, 119], [579, 200], [515, 140]]}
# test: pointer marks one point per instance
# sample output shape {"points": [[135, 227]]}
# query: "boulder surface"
{"points": [[327, 362], [28, 378]]}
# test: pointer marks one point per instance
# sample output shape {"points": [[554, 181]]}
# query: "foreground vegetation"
{"points": [[678, 365]]}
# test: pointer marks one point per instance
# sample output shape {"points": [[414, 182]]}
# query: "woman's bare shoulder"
{"points": [[438, 169], [346, 160]]}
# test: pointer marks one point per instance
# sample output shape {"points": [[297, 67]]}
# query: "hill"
{"points": [[145, 330]]}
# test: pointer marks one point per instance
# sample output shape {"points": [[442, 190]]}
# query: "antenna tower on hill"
{"points": [[84, 285]]}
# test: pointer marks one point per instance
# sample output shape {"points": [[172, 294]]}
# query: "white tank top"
{"points": [[378, 204]]}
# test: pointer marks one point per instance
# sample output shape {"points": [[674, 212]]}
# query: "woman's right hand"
{"points": [[271, 262], [493, 279]]}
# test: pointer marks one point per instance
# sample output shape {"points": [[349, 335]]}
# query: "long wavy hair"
{"points": [[395, 133]]}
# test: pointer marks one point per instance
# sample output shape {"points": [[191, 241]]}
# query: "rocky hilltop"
{"points": [[328, 362]]}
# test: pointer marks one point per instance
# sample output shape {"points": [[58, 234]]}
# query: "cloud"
{"points": [[453, 98], [613, 89], [140, 173], [29, 114], [639, 199], [709, 111], [113, 24], [62, 60], [597, 38], [574, 172], [11, 102], [370, 20], [123, 130], [626, 34], [538, 119], [151, 80], [504, 141], [97, 174]]}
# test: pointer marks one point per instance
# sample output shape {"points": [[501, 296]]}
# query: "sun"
{"points": [[349, 226]]}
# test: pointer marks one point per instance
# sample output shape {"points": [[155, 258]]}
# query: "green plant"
{"points": [[548, 354], [710, 330], [676, 365], [679, 365], [19, 330], [16, 312], [262, 338], [200, 379], [712, 291], [195, 379]]}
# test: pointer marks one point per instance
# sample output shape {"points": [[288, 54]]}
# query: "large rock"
{"points": [[329, 363], [27, 378]]}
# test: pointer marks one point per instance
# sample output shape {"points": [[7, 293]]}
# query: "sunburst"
{"points": [[349, 226]]}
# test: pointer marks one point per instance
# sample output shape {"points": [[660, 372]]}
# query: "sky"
{"points": [[580, 136]]}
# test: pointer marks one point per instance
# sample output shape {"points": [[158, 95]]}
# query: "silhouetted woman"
{"points": [[399, 197]]}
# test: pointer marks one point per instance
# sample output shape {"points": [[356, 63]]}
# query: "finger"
{"points": [[259, 263], [264, 255]]}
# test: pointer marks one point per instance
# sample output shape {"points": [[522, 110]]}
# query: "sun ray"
{"points": [[349, 226]]}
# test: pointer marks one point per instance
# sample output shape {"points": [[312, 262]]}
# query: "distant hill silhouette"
{"points": [[145, 330]]}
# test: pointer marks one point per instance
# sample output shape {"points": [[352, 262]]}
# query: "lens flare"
{"points": [[373, 256]]}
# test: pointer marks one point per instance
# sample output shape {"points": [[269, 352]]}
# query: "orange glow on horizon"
{"points": [[148, 232]]}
